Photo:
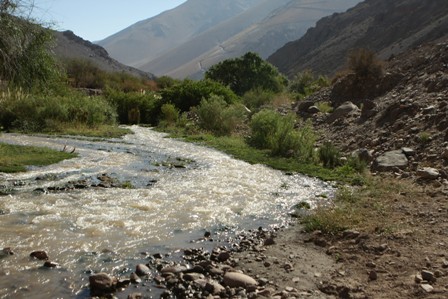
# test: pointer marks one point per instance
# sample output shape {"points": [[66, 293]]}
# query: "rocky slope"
{"points": [[403, 126], [70, 46], [385, 27]]}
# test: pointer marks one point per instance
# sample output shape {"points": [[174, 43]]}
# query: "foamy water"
{"points": [[167, 207]]}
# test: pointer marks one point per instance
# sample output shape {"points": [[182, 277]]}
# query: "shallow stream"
{"points": [[175, 192]]}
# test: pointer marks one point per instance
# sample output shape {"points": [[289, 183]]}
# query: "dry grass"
{"points": [[375, 207]]}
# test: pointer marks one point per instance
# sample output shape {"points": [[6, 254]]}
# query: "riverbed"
{"points": [[167, 193]]}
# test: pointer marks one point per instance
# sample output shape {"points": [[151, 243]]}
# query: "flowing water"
{"points": [[180, 190]]}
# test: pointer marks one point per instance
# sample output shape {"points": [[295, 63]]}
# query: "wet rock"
{"points": [[135, 296], [135, 278], [142, 270], [102, 284], [235, 280], [213, 287], [269, 241], [49, 264], [40, 255], [173, 269], [390, 161], [6, 251], [428, 173], [223, 256]]}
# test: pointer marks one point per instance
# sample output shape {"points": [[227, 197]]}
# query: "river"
{"points": [[179, 191]]}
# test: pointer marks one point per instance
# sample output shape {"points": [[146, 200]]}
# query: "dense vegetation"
{"points": [[239, 106]]}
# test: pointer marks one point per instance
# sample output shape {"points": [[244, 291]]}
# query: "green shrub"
{"points": [[329, 155], [170, 115], [270, 130], [216, 116], [257, 98], [35, 113], [135, 107], [189, 93], [306, 83], [324, 107]]}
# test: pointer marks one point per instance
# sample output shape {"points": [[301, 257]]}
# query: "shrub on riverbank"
{"points": [[26, 112]]}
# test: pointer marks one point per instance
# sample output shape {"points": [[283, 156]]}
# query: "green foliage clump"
{"points": [[329, 155], [189, 93], [218, 117], [364, 64], [257, 98], [135, 107], [270, 130], [34, 113], [307, 83], [169, 116], [246, 73], [25, 60], [83, 73]]}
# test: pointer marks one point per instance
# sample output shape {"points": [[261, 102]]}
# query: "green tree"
{"points": [[25, 60], [246, 73]]}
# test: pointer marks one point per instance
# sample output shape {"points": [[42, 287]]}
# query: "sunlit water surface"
{"points": [[100, 229]]}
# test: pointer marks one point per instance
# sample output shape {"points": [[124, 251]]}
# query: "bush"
{"points": [[329, 155], [189, 93], [135, 107], [270, 130], [306, 83], [170, 115], [216, 116], [256, 98], [364, 64], [35, 113]]}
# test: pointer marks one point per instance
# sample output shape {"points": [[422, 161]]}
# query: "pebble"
{"points": [[373, 275], [428, 276], [49, 264], [142, 270], [235, 279]]}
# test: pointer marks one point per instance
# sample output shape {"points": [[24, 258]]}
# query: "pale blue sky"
{"points": [[97, 19]]}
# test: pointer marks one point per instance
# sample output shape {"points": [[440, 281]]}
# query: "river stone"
{"points": [[173, 269], [49, 264], [102, 283], [235, 280], [223, 256], [135, 296], [428, 173], [193, 276], [391, 160], [39, 254], [142, 270]]}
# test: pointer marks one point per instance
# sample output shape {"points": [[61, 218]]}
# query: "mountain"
{"points": [[383, 26], [278, 23], [186, 48], [70, 46], [147, 39]]}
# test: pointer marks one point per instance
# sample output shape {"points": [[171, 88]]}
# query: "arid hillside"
{"points": [[385, 27]]}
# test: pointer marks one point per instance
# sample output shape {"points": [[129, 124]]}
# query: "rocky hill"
{"points": [[403, 128], [200, 33], [384, 26], [70, 46]]}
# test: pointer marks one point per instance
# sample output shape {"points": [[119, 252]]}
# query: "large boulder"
{"points": [[390, 161], [347, 108], [102, 284]]}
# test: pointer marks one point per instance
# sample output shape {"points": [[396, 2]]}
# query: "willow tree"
{"points": [[25, 60]]}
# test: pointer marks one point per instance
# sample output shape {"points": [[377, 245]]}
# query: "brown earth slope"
{"points": [[383, 26]]}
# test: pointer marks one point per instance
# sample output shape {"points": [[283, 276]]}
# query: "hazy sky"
{"points": [[97, 19]]}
